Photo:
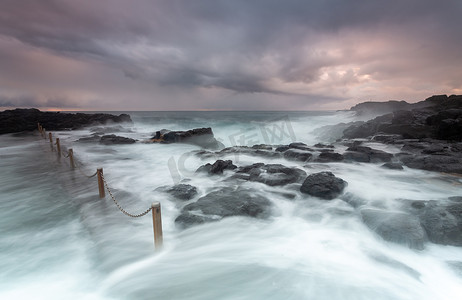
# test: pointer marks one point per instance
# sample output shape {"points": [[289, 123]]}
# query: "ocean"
{"points": [[58, 240]]}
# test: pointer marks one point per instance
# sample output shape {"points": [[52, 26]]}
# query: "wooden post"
{"points": [[71, 158], [58, 146], [99, 172], [44, 133], [38, 127], [50, 136], [157, 225]]}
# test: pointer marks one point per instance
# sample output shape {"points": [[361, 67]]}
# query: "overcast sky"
{"points": [[232, 55]]}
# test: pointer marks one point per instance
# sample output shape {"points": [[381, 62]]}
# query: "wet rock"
{"points": [[262, 147], [393, 166], [90, 139], [269, 154], [356, 156], [438, 163], [299, 155], [443, 223], [324, 185], [272, 174], [320, 145], [113, 139], [187, 219], [366, 154], [18, 120], [202, 137], [397, 227], [329, 157], [282, 148], [226, 202], [181, 191], [300, 146], [217, 167]]}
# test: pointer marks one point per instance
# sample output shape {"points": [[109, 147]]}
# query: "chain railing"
{"points": [[118, 205], [103, 185]]}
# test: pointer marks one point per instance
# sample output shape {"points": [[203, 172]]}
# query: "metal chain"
{"points": [[81, 171], [119, 207], [67, 155]]}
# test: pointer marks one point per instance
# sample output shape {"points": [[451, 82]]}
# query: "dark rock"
{"points": [[272, 174], [373, 155], [437, 117], [202, 137], [398, 227], [356, 156], [187, 219], [368, 128], [320, 145], [393, 166], [113, 139], [18, 120], [218, 167], [296, 154], [329, 157], [223, 203], [282, 148], [443, 223], [262, 147], [90, 139], [269, 154], [456, 198], [181, 191], [438, 163], [300, 146], [324, 185]]}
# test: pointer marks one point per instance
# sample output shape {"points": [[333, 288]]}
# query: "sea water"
{"points": [[58, 240]]}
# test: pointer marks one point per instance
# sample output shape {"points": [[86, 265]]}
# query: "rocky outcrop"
{"points": [[112, 139], [438, 117], [180, 191], [202, 137], [18, 120], [366, 154], [217, 167], [270, 174], [225, 202], [398, 227], [324, 185]]}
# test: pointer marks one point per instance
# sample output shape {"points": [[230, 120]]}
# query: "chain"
{"points": [[67, 155], [118, 206], [81, 172]]}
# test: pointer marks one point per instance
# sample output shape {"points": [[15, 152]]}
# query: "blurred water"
{"points": [[58, 240]]}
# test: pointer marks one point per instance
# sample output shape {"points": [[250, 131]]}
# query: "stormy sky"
{"points": [[226, 55]]}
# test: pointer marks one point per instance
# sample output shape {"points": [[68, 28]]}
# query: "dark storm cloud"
{"points": [[292, 47]]}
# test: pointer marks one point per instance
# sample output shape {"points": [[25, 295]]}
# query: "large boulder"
{"points": [[271, 174], [324, 185], [202, 137], [297, 154], [225, 202], [181, 191], [18, 120], [398, 227], [217, 167], [443, 223]]}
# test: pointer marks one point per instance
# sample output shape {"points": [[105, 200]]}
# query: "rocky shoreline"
{"points": [[19, 120], [426, 135]]}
